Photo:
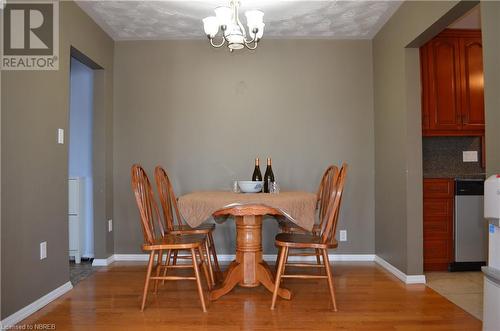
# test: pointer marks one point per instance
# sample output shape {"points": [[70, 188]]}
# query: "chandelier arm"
{"points": [[252, 39], [249, 41], [255, 44], [223, 41], [224, 36]]}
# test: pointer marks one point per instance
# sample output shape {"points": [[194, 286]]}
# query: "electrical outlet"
{"points": [[343, 235], [469, 156], [43, 250], [110, 225], [60, 136]]}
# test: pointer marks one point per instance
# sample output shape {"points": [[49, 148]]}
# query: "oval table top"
{"points": [[299, 207]]}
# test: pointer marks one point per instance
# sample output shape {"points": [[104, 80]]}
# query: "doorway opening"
{"points": [[453, 157], [80, 166]]}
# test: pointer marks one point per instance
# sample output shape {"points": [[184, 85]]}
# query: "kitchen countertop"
{"points": [[455, 176]]}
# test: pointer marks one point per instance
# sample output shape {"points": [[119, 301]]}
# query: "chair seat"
{"points": [[171, 241], [300, 240], [290, 227], [186, 229]]}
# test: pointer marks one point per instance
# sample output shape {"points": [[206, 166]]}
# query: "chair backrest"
{"points": [[167, 199], [329, 226], [325, 191], [148, 209]]}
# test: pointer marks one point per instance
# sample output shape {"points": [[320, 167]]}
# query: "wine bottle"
{"points": [[257, 176], [268, 176]]}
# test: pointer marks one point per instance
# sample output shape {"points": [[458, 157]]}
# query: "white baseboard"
{"points": [[21, 314], [131, 257], [408, 279], [331, 257], [267, 257], [103, 262]]}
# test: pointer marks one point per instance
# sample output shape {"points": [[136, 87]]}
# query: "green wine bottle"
{"points": [[268, 176], [257, 176]]}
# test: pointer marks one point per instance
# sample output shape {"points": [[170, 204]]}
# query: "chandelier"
{"points": [[227, 20]]}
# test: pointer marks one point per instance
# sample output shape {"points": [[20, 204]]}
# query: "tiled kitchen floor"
{"points": [[465, 289], [78, 272]]}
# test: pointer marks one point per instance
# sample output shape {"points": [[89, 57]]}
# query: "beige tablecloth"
{"points": [[299, 207]]}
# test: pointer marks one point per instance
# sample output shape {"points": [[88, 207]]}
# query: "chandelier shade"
{"points": [[211, 26], [224, 15], [254, 19]]}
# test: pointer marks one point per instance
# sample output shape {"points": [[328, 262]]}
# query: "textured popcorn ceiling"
{"points": [[135, 20]]}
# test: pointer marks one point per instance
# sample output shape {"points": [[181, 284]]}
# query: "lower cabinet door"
{"points": [[437, 254], [438, 224]]}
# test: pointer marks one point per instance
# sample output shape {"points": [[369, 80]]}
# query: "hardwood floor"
{"points": [[368, 298]]}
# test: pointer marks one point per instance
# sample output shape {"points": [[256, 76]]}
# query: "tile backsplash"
{"points": [[442, 157]]}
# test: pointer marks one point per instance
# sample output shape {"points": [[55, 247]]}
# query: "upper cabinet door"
{"points": [[452, 84], [444, 84], [471, 55]]}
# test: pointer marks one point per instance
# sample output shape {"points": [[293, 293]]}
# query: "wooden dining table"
{"points": [[248, 269]]}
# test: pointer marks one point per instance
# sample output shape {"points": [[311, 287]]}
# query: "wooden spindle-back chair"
{"points": [[175, 224], [156, 240], [323, 196], [322, 242]]}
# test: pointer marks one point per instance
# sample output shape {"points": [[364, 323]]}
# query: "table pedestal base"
{"points": [[248, 270]]}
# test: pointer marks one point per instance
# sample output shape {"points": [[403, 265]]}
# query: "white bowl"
{"points": [[248, 186]]}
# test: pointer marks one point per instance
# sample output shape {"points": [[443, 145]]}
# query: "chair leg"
{"points": [[148, 275], [318, 256], [174, 261], [279, 272], [330, 278], [167, 262], [198, 281], [205, 270], [286, 260], [276, 264], [214, 253], [159, 264], [209, 263]]}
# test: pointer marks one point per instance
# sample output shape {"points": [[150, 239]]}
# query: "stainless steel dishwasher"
{"points": [[471, 231]]}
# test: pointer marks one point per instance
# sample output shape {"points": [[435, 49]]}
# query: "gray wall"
{"points": [[398, 226], [204, 114], [398, 184], [490, 25], [35, 168], [398, 162]]}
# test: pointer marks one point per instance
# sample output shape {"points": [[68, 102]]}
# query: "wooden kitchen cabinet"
{"points": [[471, 55], [452, 84], [438, 223]]}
